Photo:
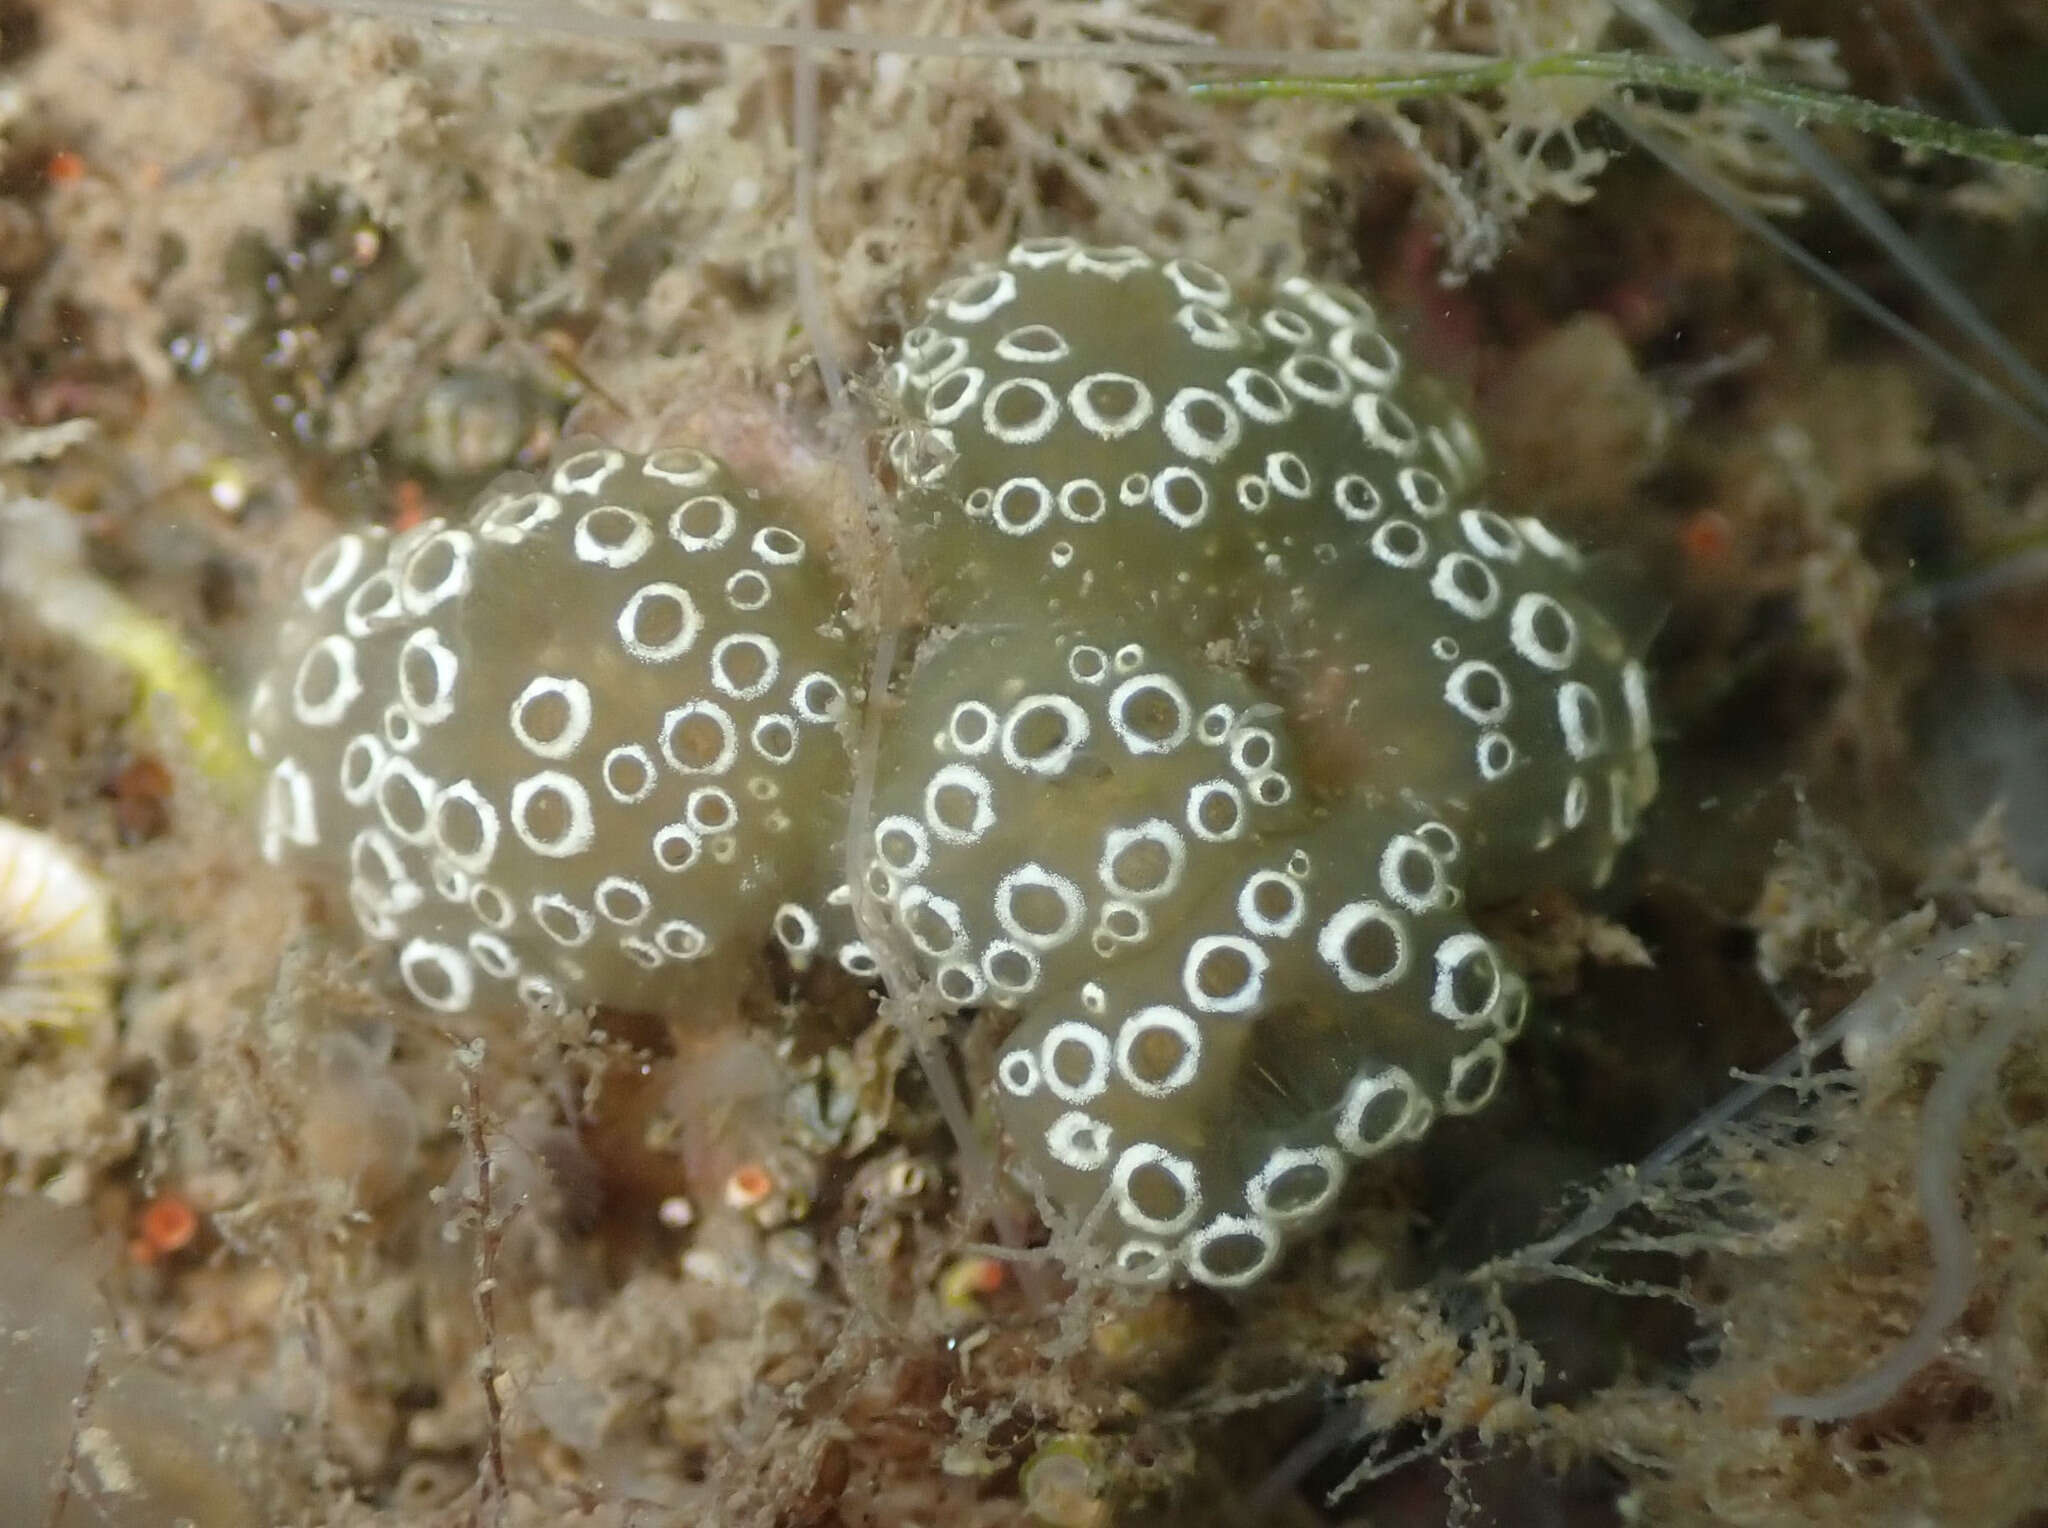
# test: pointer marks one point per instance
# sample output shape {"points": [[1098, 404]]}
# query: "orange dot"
{"points": [[748, 1186], [412, 505], [1706, 538], [167, 1224], [970, 1277], [64, 166]]}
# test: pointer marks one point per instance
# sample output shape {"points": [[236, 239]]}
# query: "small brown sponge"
{"points": [[583, 740]]}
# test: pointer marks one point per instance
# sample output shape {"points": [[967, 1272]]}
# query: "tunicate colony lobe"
{"points": [[1235, 701], [585, 739]]}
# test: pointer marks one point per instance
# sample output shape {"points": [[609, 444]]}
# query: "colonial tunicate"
{"points": [[1125, 466], [1237, 698], [1262, 472]]}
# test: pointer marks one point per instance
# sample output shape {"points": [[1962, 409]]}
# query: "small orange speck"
{"points": [[64, 166], [166, 1225], [969, 1278], [412, 505], [748, 1186], [1706, 538]]}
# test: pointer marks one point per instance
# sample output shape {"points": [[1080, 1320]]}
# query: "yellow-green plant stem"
{"points": [[164, 666], [1802, 103], [42, 564]]}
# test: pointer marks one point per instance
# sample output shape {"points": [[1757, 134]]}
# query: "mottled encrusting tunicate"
{"points": [[269, 372], [585, 741], [1237, 698]]}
